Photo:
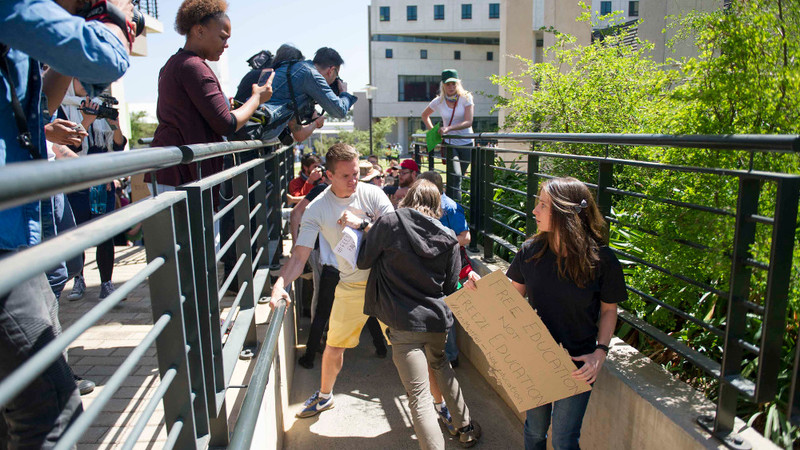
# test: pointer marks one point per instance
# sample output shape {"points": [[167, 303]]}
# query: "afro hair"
{"points": [[193, 12]]}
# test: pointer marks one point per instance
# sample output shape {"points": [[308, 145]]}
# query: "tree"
{"points": [[360, 138], [140, 129]]}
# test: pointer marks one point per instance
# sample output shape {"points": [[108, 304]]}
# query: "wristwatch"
{"points": [[364, 224], [602, 347]]}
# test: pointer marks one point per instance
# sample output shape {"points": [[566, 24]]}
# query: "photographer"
{"points": [[297, 86], [34, 32], [310, 175]]}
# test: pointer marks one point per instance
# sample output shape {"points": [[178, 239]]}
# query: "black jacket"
{"points": [[415, 264]]}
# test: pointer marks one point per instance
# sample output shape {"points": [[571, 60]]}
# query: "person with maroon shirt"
{"points": [[192, 108]]}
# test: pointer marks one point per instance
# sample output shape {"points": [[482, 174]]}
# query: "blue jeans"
{"points": [[60, 221], [450, 348], [40, 414], [567, 418]]}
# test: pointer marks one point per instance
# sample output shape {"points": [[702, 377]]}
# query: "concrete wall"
{"points": [[635, 403]]}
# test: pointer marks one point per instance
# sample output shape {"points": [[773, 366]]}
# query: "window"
{"points": [[438, 12], [457, 54], [466, 11], [494, 10], [389, 54], [411, 12], [423, 54], [633, 9], [490, 56], [384, 13], [605, 8], [540, 42], [417, 88]]}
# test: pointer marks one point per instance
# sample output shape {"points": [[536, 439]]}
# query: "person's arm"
{"points": [[94, 52], [64, 152], [63, 132], [349, 219], [317, 88], [295, 216], [289, 273], [372, 245], [453, 269], [301, 132], [466, 123], [294, 199], [520, 287], [54, 88], [426, 118], [593, 362], [261, 94], [119, 139], [464, 238]]}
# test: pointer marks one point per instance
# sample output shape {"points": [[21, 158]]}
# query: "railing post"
{"points": [[273, 167], [605, 179], [241, 218], [778, 280], [261, 219], [171, 347], [417, 156], [488, 196], [431, 159], [449, 178], [533, 191], [736, 320], [474, 197]]}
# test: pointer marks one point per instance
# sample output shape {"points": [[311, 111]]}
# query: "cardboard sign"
{"points": [[523, 357]]}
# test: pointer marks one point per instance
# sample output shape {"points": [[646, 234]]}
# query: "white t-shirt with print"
{"points": [[439, 105], [323, 213]]}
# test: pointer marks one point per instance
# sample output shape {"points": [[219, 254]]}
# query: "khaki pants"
{"points": [[412, 352]]}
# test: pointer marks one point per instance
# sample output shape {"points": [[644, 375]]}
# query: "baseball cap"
{"points": [[410, 164], [449, 75]]}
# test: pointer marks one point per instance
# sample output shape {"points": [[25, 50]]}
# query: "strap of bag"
{"points": [[453, 114], [24, 137], [292, 100]]}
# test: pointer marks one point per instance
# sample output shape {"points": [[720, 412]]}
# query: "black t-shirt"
{"points": [[570, 313], [315, 191]]}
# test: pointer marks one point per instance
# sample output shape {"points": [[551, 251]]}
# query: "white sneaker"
{"points": [[78, 289]]}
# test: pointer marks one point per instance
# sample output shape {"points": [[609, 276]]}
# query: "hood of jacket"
{"points": [[424, 233]]}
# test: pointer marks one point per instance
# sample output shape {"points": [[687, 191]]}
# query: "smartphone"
{"points": [[265, 74]]}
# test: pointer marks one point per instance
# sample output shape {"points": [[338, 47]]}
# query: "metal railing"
{"points": [[149, 7], [533, 165], [196, 351]]}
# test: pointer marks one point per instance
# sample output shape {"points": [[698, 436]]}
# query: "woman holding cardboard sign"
{"points": [[573, 281]]}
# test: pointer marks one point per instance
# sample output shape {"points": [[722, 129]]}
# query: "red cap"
{"points": [[411, 165]]}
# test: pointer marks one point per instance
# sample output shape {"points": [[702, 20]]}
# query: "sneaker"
{"points": [[107, 288], [315, 405], [84, 386], [444, 415], [307, 361], [78, 289], [469, 435]]}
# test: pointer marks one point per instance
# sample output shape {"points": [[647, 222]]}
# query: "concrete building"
{"points": [[412, 41]]}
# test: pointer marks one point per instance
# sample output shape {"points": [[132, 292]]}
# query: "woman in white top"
{"points": [[454, 105]]}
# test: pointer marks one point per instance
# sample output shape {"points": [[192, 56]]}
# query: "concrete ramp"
{"points": [[372, 411]]}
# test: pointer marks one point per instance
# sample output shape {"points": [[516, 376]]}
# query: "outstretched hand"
{"points": [[591, 367], [471, 279]]}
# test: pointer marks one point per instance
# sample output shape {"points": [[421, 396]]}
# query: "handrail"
{"points": [[750, 142], [249, 412]]}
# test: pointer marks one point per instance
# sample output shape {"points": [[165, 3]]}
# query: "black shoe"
{"points": [[454, 363], [307, 361], [469, 435], [84, 386], [381, 351]]}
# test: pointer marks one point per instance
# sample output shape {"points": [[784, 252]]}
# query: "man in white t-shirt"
{"points": [[346, 203]]}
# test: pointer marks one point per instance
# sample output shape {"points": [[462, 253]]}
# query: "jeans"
{"points": [[412, 352], [451, 349], [567, 418], [40, 414], [60, 221], [104, 253], [461, 160]]}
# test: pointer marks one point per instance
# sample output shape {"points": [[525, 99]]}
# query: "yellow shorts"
{"points": [[347, 315]]}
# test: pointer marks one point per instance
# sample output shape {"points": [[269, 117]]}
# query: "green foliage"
{"points": [[360, 138], [323, 143], [140, 129], [745, 80]]}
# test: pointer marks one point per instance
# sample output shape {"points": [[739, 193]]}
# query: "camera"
{"points": [[335, 86], [105, 110], [108, 12], [286, 137]]}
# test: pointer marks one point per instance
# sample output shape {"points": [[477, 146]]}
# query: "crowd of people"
{"points": [[412, 236]]}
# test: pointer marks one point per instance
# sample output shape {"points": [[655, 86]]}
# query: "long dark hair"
{"points": [[577, 228]]}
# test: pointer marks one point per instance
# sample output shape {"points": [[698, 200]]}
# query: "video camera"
{"points": [[98, 10], [105, 110]]}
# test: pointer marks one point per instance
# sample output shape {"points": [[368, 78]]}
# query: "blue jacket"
{"points": [[41, 31], [309, 87]]}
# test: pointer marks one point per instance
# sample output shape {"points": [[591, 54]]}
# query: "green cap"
{"points": [[449, 75]]}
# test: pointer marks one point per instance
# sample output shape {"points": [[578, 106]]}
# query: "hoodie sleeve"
{"points": [[373, 243], [453, 269]]}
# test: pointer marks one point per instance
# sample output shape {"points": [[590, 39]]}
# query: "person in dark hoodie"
{"points": [[415, 263]]}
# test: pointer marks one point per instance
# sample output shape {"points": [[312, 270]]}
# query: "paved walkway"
{"points": [[371, 406]]}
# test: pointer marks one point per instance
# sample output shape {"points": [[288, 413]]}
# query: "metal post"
{"points": [[474, 198], [431, 160], [166, 298], [778, 280], [241, 217], [532, 187], [736, 320], [449, 178], [605, 179], [370, 126], [488, 196], [417, 156]]}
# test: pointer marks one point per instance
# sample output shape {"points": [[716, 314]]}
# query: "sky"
{"points": [[264, 25]]}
